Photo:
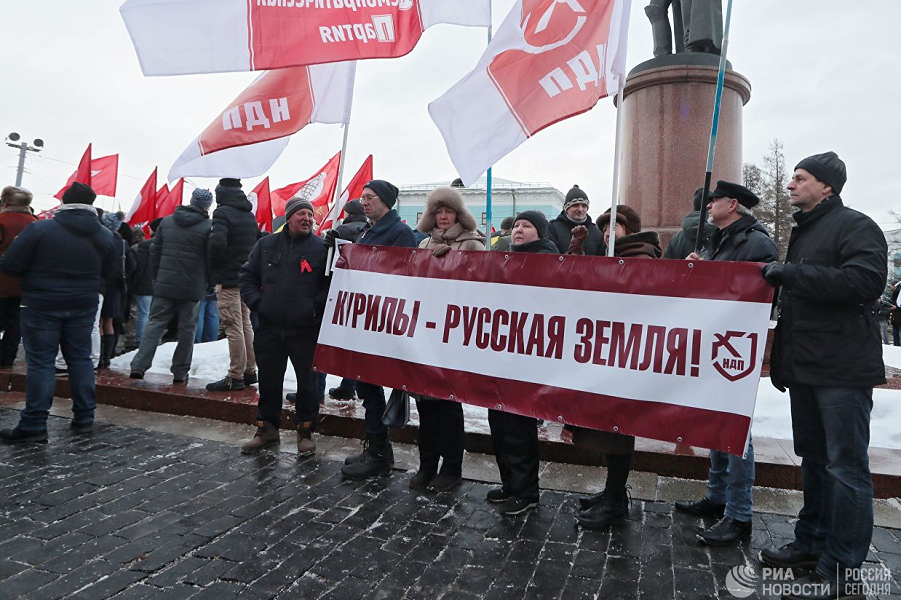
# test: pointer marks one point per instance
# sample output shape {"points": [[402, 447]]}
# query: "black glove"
{"points": [[330, 238], [773, 272]]}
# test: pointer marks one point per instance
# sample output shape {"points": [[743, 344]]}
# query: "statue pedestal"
{"points": [[667, 113]]}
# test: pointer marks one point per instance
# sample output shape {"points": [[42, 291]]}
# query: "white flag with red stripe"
{"points": [[318, 189], [353, 191], [251, 133], [550, 60], [210, 36]]}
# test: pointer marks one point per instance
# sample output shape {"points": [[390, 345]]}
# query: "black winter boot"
{"points": [[107, 347], [358, 457], [376, 460], [613, 508]]}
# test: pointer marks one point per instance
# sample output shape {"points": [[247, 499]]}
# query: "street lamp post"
{"points": [[12, 140]]}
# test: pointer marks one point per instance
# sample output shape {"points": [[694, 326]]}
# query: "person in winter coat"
{"points": [[739, 237], [386, 229], [450, 226], [515, 437], [827, 352], [683, 243], [62, 262], [178, 264], [612, 505], [574, 214], [233, 235], [115, 293], [15, 215], [284, 282], [143, 282], [501, 240]]}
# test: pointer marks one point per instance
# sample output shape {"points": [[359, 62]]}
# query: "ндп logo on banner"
{"points": [[734, 354]]}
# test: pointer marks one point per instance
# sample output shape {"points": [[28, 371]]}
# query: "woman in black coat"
{"points": [[115, 293]]}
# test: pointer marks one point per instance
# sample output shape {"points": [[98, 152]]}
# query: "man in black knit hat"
{"points": [[575, 213], [827, 352]]}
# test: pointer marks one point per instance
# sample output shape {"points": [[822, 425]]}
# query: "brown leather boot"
{"points": [[266, 436], [305, 444]]}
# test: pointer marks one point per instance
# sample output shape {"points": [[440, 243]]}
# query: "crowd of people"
{"points": [[66, 279]]}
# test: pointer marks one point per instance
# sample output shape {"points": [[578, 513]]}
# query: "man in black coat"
{"points": [[683, 243], [234, 233], [143, 280], [739, 237], [378, 199], [284, 282], [179, 270], [575, 213], [827, 352], [63, 263]]}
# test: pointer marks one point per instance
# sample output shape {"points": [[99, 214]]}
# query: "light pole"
{"points": [[12, 140]]}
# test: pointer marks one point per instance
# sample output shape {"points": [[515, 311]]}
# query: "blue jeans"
{"points": [[142, 312], [207, 322], [373, 397], [43, 332], [831, 428], [730, 482]]}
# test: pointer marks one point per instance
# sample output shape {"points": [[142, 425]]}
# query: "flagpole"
{"points": [[617, 148], [714, 127], [339, 186], [488, 176]]}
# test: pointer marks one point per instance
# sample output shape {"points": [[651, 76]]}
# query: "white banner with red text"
{"points": [[253, 35], [662, 349]]}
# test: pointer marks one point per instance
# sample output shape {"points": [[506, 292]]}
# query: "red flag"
{"points": [[261, 200], [104, 173], [167, 203], [49, 213], [353, 191], [318, 189], [82, 174], [143, 208]]}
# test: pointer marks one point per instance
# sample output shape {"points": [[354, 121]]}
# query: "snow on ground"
{"points": [[772, 415]]}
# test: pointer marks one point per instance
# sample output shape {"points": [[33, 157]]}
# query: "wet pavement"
{"points": [[130, 512]]}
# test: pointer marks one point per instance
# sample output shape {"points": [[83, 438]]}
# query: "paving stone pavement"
{"points": [[129, 513]]}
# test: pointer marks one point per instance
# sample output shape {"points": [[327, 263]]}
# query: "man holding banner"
{"points": [[828, 353], [379, 198], [739, 236]]}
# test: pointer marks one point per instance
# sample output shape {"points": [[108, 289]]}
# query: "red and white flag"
{"points": [[103, 177], [353, 191], [143, 209], [168, 200], [261, 200], [318, 189], [254, 35], [246, 138], [550, 60]]}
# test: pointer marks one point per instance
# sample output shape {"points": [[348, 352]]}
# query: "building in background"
{"points": [[507, 199]]}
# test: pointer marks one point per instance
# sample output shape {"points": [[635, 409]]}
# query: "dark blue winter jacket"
{"points": [[388, 231], [62, 260]]}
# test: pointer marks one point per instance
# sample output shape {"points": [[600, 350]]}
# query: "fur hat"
{"points": [[625, 215], [448, 198], [15, 196], [575, 196], [387, 192], [536, 218], [79, 193], [828, 168]]}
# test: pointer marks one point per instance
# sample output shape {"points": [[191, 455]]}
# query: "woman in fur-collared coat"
{"points": [[450, 227]]}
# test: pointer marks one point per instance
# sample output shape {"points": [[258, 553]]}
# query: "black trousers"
{"points": [[273, 348], [515, 440], [440, 435], [12, 330]]}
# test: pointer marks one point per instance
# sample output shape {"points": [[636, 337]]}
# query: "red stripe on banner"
{"points": [[707, 280], [657, 420]]}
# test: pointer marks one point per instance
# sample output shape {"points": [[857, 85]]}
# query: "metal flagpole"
{"points": [[611, 231], [714, 127], [338, 186], [488, 176]]}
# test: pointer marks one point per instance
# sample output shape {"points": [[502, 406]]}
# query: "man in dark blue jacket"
{"points": [[61, 262], [284, 282], [378, 198]]}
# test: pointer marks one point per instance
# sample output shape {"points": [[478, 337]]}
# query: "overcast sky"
{"points": [[825, 76]]}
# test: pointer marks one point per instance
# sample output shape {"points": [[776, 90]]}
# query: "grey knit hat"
{"points": [[202, 198]]}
